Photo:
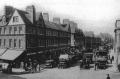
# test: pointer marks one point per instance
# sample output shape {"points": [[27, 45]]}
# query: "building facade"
{"points": [[117, 44], [28, 35], [91, 41]]}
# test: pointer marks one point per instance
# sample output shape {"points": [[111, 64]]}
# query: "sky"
{"points": [[91, 15]]}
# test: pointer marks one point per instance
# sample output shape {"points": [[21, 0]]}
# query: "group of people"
{"points": [[84, 63], [32, 66]]}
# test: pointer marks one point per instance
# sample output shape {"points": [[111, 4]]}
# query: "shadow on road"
{"points": [[26, 72], [9, 76]]}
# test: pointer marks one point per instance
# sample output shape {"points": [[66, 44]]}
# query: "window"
{"points": [[47, 32], [4, 30], [15, 43], [41, 31], [10, 30], [0, 42], [0, 30], [20, 43], [4, 42], [47, 42], [15, 30], [20, 30], [10, 42], [41, 42], [15, 19], [50, 33]]}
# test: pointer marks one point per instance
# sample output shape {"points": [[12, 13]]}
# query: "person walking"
{"points": [[95, 65], [112, 58], [81, 64], [108, 77]]}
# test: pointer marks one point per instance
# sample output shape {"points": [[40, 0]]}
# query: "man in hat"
{"points": [[108, 77]]}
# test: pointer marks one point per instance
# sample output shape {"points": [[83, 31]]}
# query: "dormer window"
{"points": [[15, 19]]}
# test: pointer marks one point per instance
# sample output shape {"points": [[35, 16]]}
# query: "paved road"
{"points": [[9, 76], [69, 73]]}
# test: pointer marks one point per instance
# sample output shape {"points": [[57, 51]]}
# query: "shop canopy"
{"points": [[2, 51], [11, 54]]}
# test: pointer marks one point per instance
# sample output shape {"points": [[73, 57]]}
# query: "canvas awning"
{"points": [[2, 51], [11, 54]]}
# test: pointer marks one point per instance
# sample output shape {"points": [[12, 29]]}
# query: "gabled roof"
{"points": [[40, 20], [48, 24], [54, 26], [23, 15]]}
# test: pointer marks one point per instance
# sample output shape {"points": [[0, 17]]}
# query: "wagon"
{"points": [[50, 64], [64, 61]]}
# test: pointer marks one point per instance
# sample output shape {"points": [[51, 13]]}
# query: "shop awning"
{"points": [[11, 54], [2, 51]]}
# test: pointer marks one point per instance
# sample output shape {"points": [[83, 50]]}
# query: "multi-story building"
{"points": [[91, 41], [79, 38], [27, 34]]}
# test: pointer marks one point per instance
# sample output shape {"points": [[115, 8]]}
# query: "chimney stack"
{"points": [[46, 16], [56, 20], [65, 21], [31, 13], [8, 11]]}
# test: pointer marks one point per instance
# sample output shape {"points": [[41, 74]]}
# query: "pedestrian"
{"points": [[81, 64], [9, 68], [108, 77], [112, 58], [96, 65], [29, 65]]}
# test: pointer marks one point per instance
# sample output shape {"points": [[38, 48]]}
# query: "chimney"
{"points": [[8, 11], [65, 21], [56, 20], [31, 13], [46, 16]]}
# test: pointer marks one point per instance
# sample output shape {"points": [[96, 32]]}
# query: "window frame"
{"points": [[15, 43], [15, 30], [10, 43], [15, 19]]}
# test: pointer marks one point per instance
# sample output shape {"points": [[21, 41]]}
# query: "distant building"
{"points": [[106, 38], [91, 41]]}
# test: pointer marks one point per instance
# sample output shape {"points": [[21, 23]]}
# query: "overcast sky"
{"points": [[93, 15]]}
